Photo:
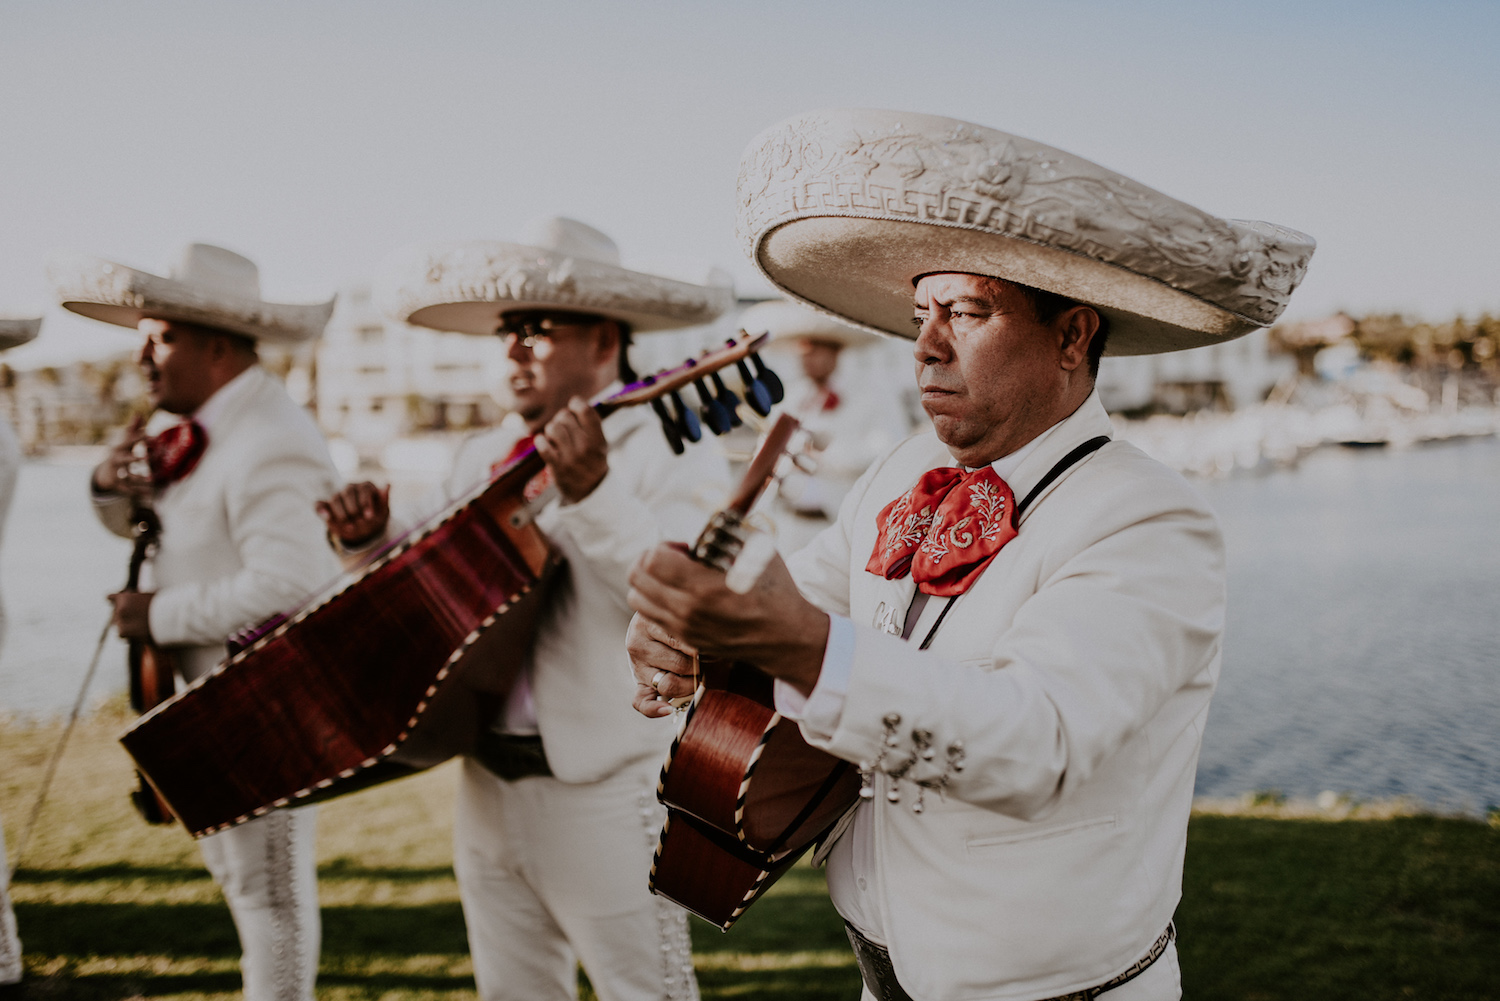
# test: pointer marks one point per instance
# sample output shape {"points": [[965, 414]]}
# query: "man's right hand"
{"points": [[124, 471], [357, 514]]}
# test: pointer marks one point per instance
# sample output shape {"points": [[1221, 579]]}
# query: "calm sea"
{"points": [[1360, 655]]}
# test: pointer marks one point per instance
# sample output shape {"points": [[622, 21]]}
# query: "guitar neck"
{"points": [[725, 535]]}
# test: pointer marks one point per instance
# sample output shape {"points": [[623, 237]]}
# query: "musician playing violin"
{"points": [[556, 812], [1013, 629], [233, 483]]}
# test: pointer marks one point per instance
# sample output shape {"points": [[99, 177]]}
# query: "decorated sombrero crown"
{"points": [[208, 285], [559, 264], [844, 210]]}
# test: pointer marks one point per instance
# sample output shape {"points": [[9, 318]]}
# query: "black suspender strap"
{"points": [[919, 600], [1063, 464]]}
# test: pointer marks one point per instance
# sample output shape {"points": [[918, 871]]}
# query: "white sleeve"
{"points": [[282, 545], [648, 496]]}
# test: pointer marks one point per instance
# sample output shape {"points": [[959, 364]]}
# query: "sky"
{"points": [[317, 136]]}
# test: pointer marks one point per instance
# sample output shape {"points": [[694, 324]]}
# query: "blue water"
{"points": [[1362, 652]]}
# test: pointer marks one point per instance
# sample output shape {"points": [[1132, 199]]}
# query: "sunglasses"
{"points": [[534, 331]]}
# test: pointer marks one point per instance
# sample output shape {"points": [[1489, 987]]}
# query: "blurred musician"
{"points": [[557, 815], [233, 483]]}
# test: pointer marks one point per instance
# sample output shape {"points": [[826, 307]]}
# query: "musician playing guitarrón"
{"points": [[556, 814], [233, 483], [1030, 747]]}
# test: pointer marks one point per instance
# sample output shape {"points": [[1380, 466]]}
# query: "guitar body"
{"points": [[392, 674], [746, 796]]}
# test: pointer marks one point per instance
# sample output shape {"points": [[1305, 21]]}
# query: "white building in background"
{"points": [[379, 379], [1225, 376]]}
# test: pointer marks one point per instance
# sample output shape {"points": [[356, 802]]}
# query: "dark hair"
{"points": [[1048, 306], [627, 374]]}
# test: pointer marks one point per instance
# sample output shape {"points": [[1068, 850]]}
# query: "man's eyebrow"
{"points": [[966, 299]]}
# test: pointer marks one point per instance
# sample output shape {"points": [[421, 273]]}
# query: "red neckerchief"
{"points": [[538, 484], [945, 530], [173, 453]]}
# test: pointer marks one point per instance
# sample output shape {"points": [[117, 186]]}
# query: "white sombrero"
{"points": [[209, 286], [14, 331], [785, 320], [561, 264], [844, 210]]}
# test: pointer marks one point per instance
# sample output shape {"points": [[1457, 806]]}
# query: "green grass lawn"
{"points": [[1272, 909]]}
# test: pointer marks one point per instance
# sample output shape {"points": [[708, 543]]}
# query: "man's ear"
{"points": [[1076, 327], [608, 344]]}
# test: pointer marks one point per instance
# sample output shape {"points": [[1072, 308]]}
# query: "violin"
{"points": [[151, 669]]}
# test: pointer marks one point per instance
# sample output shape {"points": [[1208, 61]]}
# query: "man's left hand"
{"points": [[682, 604], [132, 614], [573, 447]]}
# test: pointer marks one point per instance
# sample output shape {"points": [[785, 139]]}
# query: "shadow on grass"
{"points": [[339, 869], [206, 930], [123, 872]]}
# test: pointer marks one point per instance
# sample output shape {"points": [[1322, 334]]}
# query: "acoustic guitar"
{"points": [[401, 666], [746, 796]]}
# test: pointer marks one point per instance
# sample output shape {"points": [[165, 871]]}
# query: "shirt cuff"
{"points": [[820, 712]]}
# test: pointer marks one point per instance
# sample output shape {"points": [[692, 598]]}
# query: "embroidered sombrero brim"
{"points": [[467, 287], [114, 293], [16, 331], [845, 210], [786, 321]]}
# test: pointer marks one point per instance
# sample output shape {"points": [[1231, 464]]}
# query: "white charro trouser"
{"points": [[10, 940], [267, 869], [553, 874]]}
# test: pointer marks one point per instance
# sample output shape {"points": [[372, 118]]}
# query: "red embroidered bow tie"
{"points": [[173, 453], [945, 530], [538, 484]]}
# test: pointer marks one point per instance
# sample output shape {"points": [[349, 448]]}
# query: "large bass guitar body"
{"points": [[370, 682]]}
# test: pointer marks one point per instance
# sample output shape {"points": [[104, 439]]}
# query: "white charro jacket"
{"points": [[1075, 675], [240, 538], [580, 674]]}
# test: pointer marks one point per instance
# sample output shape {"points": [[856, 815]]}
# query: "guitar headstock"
{"points": [[728, 542], [718, 405]]}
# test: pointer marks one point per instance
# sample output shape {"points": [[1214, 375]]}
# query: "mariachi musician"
{"points": [[556, 814], [1025, 694], [13, 333], [233, 483], [847, 423]]}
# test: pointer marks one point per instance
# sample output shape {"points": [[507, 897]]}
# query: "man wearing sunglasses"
{"points": [[556, 815]]}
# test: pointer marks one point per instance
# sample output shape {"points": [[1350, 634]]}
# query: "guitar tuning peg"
{"points": [[756, 393], [686, 420], [727, 399], [668, 427], [769, 379], [714, 414]]}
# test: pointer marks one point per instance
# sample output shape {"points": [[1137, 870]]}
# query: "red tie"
{"points": [[173, 453], [538, 484], [945, 530]]}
